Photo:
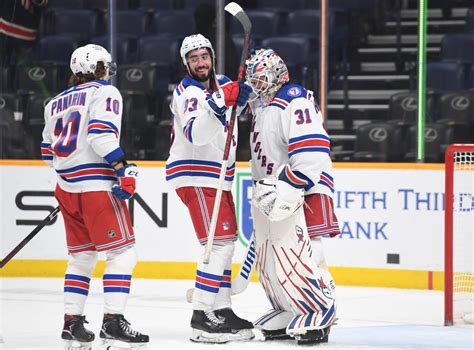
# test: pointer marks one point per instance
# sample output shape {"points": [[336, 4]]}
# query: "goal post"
{"points": [[459, 234]]}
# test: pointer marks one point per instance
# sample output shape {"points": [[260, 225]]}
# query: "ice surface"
{"points": [[368, 318]]}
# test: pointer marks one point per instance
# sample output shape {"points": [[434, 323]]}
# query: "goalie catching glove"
{"points": [[127, 176], [277, 199]]}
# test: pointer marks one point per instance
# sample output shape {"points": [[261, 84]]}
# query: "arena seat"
{"points": [[178, 23], [458, 47], [56, 49], [81, 24], [444, 76], [378, 142]]}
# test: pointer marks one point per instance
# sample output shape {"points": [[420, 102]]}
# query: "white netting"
{"points": [[463, 236]]}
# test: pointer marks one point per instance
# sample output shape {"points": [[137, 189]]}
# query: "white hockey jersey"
{"points": [[198, 138], [288, 133], [81, 136]]}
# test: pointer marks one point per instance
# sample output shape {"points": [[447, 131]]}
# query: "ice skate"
{"points": [[315, 336], [75, 335], [220, 326], [117, 334]]}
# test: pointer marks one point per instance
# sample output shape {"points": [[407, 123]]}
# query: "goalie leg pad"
{"points": [[117, 279], [209, 278], [308, 290], [318, 252], [265, 264], [77, 279]]}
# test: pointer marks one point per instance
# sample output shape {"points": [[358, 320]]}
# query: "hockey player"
{"points": [[290, 167], [201, 109], [81, 142]]}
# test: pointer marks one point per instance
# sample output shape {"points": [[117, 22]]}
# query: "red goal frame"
{"points": [[448, 228]]}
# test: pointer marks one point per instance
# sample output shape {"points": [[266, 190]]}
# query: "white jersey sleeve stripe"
{"points": [[85, 172]]}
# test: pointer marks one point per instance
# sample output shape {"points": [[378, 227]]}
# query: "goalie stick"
{"points": [[28, 238], [236, 11]]}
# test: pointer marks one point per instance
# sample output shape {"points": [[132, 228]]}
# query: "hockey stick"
{"points": [[28, 238], [236, 11]]}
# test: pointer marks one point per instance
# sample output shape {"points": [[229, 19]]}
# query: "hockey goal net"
{"points": [[459, 234]]}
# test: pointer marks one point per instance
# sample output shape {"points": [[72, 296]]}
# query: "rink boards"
{"points": [[391, 217]]}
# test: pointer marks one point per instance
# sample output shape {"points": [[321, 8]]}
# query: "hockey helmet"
{"points": [[193, 42], [84, 60], [266, 72]]}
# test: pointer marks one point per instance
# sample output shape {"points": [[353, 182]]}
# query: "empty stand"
{"points": [[265, 24], [123, 47], [156, 4], [378, 142], [436, 139], [80, 24], [136, 78], [403, 108], [444, 76], [56, 49], [39, 77], [458, 47], [173, 23]]}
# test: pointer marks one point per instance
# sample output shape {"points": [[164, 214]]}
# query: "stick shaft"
{"points": [[244, 20], [28, 238]]}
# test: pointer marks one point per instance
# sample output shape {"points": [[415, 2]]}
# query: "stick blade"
{"points": [[236, 10], [233, 8]]}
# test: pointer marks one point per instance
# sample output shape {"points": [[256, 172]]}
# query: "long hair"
{"points": [[81, 78]]}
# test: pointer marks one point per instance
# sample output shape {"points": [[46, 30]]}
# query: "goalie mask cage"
{"points": [[459, 234]]}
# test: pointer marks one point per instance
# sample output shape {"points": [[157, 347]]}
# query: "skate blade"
{"points": [[76, 345], [221, 338], [110, 344]]}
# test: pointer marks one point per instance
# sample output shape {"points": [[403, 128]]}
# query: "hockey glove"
{"points": [[277, 199], [227, 96], [127, 181]]}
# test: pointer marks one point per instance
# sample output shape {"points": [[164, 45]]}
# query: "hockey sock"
{"points": [[209, 276], [223, 296], [117, 279], [76, 281]]}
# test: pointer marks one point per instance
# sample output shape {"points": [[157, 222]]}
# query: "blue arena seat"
{"points": [[264, 24], [307, 23], [192, 4], [132, 22], [79, 23], [378, 142], [163, 53], [103, 5], [444, 76], [458, 47], [124, 53], [179, 23], [295, 52], [156, 4], [56, 48], [281, 5], [66, 4]]}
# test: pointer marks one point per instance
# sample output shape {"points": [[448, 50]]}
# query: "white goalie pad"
{"points": [[277, 199], [290, 274]]}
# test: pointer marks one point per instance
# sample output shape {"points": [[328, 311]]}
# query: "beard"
{"points": [[201, 78]]}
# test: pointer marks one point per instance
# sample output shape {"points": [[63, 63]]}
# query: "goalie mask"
{"points": [[85, 58], [266, 73]]}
